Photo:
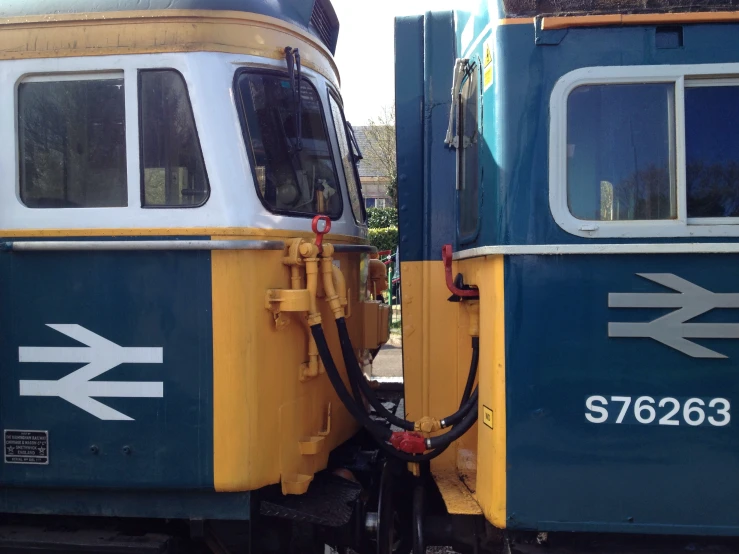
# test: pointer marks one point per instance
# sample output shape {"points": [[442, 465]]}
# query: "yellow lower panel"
{"points": [[262, 412], [490, 490], [436, 358]]}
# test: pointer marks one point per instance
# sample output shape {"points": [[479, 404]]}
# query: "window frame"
{"points": [[139, 116], [679, 75], [246, 137], [332, 93], [100, 75]]}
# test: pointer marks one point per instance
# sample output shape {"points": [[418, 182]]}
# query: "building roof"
{"points": [[369, 167], [317, 17]]}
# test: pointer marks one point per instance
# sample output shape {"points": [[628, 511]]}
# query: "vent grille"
{"points": [[321, 22]]}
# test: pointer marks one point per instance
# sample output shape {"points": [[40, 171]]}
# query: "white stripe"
{"points": [[482, 36], [562, 249]]}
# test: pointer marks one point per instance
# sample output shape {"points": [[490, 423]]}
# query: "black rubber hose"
{"points": [[380, 434], [333, 374], [459, 415], [465, 406], [473, 369], [356, 377], [457, 431]]}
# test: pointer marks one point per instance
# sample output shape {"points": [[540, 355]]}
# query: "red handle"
{"points": [[319, 234], [446, 255]]}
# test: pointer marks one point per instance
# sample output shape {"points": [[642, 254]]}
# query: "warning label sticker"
{"points": [[487, 416], [26, 447], [488, 52]]}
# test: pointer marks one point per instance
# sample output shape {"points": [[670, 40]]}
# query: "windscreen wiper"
{"points": [[294, 70], [357, 153]]}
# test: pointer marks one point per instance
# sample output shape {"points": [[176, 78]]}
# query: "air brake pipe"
{"points": [[381, 434], [356, 376]]}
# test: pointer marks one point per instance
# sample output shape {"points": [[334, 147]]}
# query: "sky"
{"points": [[365, 52]]}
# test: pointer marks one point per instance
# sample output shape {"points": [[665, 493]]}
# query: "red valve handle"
{"points": [[319, 234]]}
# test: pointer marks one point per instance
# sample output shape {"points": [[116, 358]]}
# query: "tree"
{"points": [[381, 139]]}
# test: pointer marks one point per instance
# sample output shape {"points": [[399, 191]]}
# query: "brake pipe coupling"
{"points": [[409, 442]]}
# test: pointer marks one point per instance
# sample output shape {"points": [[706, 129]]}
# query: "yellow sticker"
{"points": [[487, 416], [487, 77], [488, 57]]}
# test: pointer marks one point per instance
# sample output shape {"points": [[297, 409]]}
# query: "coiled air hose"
{"points": [[380, 433]]}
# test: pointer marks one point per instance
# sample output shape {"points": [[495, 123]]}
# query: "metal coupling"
{"points": [[427, 424]]}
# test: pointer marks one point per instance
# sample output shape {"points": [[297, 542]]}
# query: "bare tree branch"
{"points": [[381, 139]]}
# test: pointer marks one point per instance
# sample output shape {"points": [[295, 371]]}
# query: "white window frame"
{"points": [[681, 76]]}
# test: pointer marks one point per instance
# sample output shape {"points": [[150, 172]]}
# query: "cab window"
{"points": [[621, 152], [349, 158], [72, 142], [293, 165], [172, 168], [712, 149]]}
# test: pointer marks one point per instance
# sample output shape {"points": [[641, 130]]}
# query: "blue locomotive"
{"points": [[584, 170]]}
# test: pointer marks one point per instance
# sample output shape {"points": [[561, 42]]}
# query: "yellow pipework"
{"points": [[309, 252], [327, 268], [340, 284]]}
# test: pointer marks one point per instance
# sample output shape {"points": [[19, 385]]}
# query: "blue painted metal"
{"points": [[134, 299], [154, 504], [426, 166], [297, 12], [565, 473]]}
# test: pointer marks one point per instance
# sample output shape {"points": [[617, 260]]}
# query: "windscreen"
{"points": [[292, 176]]}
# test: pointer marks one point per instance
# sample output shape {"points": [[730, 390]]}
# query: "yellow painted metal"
{"points": [[431, 346], [264, 417], [490, 485], [158, 31], [457, 497], [436, 358], [287, 300], [370, 317]]}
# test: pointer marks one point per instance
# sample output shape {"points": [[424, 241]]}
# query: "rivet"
{"points": [[630, 519], [127, 450], [94, 449]]}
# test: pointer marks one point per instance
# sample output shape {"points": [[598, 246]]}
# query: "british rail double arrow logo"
{"points": [[673, 329], [100, 356]]}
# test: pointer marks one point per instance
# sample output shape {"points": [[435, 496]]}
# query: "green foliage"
{"points": [[382, 218], [384, 239]]}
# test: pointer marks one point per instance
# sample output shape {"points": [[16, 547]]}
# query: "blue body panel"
{"points": [[426, 166], [133, 299], [567, 473]]}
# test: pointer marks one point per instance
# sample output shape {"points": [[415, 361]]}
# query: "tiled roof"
{"points": [[369, 166]]}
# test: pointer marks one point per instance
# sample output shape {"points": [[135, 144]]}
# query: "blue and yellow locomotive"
{"points": [[189, 313], [162, 169]]}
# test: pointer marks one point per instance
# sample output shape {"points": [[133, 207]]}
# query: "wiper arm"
{"points": [[355, 145], [292, 57]]}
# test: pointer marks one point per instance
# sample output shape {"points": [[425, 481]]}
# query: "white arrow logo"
{"points": [[672, 329], [101, 356]]}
